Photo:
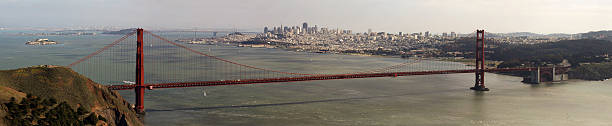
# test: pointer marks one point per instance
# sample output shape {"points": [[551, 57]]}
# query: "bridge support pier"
{"points": [[480, 62], [559, 77], [534, 77], [139, 90]]}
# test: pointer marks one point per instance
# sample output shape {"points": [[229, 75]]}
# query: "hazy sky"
{"points": [[540, 16]]}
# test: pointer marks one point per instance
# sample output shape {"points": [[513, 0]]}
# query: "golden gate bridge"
{"points": [[119, 56]]}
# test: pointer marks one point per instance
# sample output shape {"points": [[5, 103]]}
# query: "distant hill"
{"points": [[604, 35], [63, 84], [517, 34], [576, 51], [120, 32], [593, 52]]}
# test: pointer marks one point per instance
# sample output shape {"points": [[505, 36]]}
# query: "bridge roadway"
{"points": [[315, 77]]}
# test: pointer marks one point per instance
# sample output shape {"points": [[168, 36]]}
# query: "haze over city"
{"points": [[462, 16]]}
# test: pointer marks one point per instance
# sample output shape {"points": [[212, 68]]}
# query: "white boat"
{"points": [[129, 82], [204, 92]]}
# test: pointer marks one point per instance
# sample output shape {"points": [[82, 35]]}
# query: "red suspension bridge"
{"points": [[165, 56]]}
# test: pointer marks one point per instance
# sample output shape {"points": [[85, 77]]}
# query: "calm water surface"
{"points": [[413, 100]]}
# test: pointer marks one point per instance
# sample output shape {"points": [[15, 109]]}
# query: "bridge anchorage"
{"points": [[233, 73]]}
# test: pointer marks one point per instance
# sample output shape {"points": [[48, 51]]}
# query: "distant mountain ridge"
{"points": [[519, 34], [120, 32], [604, 35]]}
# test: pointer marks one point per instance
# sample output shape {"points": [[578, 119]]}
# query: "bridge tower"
{"points": [[139, 90], [480, 62]]}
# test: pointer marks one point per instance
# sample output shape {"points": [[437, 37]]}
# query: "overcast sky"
{"points": [[539, 16]]}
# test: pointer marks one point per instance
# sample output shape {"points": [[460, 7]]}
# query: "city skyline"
{"points": [[546, 16]]}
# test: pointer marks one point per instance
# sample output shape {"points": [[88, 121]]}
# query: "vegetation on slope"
{"points": [[576, 51], [63, 84], [34, 110], [596, 71], [591, 51]]}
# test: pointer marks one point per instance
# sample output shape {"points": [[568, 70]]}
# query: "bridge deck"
{"points": [[310, 78]]}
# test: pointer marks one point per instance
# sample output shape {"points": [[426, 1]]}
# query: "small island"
{"points": [[41, 42]]}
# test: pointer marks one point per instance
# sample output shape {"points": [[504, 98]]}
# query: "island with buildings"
{"points": [[41, 42]]}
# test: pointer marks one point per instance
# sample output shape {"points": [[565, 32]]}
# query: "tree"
{"points": [[28, 111], [81, 110], [91, 119]]}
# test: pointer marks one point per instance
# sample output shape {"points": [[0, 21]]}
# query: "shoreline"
{"points": [[467, 62]]}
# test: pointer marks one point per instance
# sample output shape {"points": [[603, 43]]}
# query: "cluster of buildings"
{"points": [[303, 30], [530, 40], [322, 39], [230, 38], [57, 34], [605, 34], [328, 40]]}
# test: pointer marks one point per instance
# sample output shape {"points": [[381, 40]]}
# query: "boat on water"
{"points": [[204, 42], [129, 82], [41, 42]]}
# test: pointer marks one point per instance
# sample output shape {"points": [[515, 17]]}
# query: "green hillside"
{"points": [[65, 85]]}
